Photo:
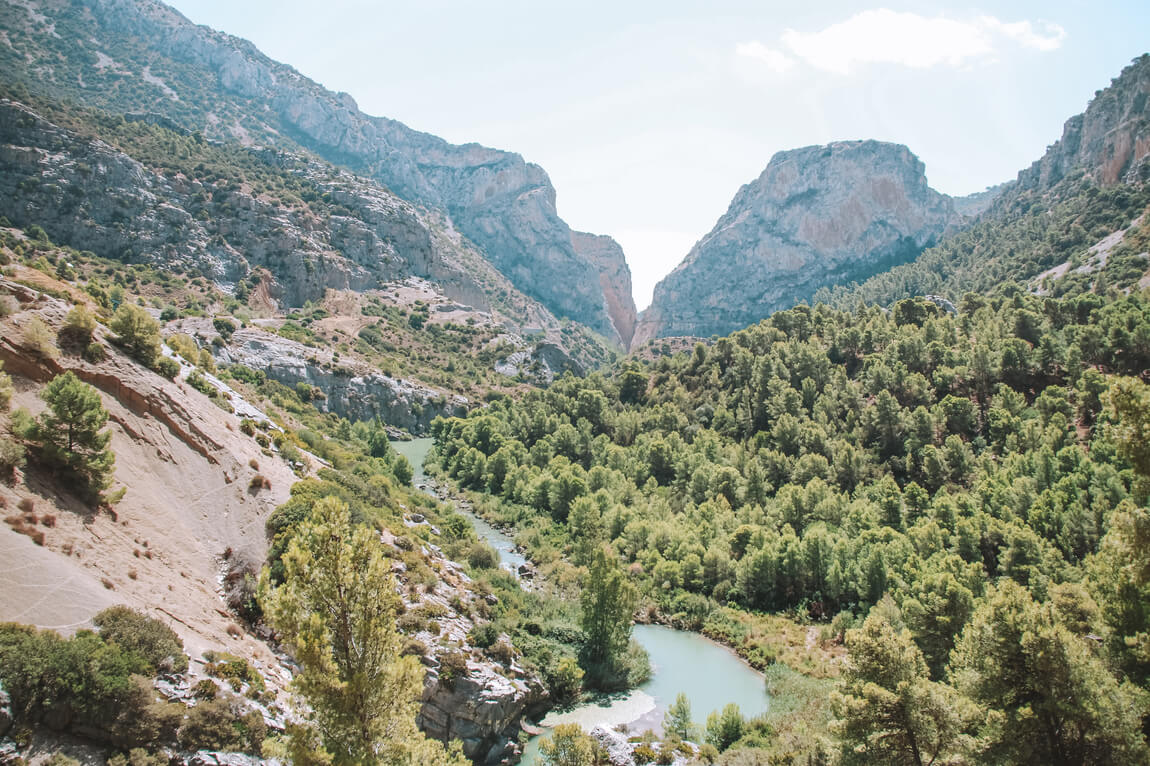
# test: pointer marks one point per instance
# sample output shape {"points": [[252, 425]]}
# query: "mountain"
{"points": [[817, 216], [1065, 225], [140, 56], [1108, 141]]}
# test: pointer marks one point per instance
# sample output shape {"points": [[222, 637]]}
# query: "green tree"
{"points": [[888, 711], [138, 332], [68, 436], [725, 727], [1047, 696], [336, 610], [568, 745], [608, 603], [677, 719], [1128, 404]]}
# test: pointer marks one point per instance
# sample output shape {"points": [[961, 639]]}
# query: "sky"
{"points": [[649, 116]]}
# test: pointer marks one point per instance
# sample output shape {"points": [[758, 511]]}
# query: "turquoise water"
{"points": [[711, 675], [416, 451]]}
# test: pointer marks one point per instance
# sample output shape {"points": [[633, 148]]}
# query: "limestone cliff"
{"points": [[614, 279], [817, 216], [1108, 141], [141, 55]]}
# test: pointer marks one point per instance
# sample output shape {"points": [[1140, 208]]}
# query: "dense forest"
{"points": [[959, 495]]}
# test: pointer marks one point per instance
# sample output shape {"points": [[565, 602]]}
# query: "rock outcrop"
{"points": [[353, 393], [817, 216], [1109, 140], [226, 89], [614, 279]]}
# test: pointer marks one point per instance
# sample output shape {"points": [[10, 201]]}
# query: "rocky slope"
{"points": [[816, 216], [140, 55], [192, 515], [1108, 141]]}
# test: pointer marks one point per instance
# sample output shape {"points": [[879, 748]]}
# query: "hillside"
{"points": [[142, 57], [1090, 185]]}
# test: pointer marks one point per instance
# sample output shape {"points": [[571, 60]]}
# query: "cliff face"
{"points": [[150, 58], [1109, 140], [817, 216], [605, 255]]}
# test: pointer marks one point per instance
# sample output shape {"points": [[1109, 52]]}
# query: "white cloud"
{"points": [[883, 36], [775, 60], [1050, 38]]}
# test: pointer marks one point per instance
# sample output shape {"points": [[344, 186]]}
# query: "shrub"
{"points": [[258, 482], [564, 679], [483, 636], [414, 648], [502, 652], [221, 724], [40, 338], [78, 326], [8, 305], [644, 753], [151, 639], [6, 389], [26, 504], [95, 352], [167, 367], [137, 756], [483, 556], [452, 667], [235, 670], [65, 681], [185, 346], [205, 689], [137, 332]]}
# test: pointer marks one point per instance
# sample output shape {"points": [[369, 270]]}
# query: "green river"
{"points": [[711, 675]]}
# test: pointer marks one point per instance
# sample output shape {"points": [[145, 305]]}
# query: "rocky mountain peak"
{"points": [[816, 216], [1109, 141]]}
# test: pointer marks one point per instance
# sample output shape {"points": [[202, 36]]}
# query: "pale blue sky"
{"points": [[648, 116]]}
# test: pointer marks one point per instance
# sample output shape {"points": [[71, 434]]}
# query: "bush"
{"points": [[62, 682], [8, 305], [138, 333], [158, 644], [40, 338], [483, 636], [452, 667], [205, 689], [221, 724], [483, 556], [94, 352], [185, 346], [78, 326], [167, 367], [138, 756]]}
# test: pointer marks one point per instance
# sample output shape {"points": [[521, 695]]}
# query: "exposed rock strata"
{"points": [[817, 216], [356, 394], [1109, 140], [225, 88]]}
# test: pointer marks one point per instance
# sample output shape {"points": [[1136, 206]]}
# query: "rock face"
{"points": [[817, 216], [225, 88], [1109, 140], [351, 393], [481, 709], [614, 279], [86, 193]]}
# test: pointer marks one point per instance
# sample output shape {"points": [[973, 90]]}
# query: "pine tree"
{"points": [[888, 710], [336, 610], [568, 745], [677, 719], [608, 603], [68, 436]]}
